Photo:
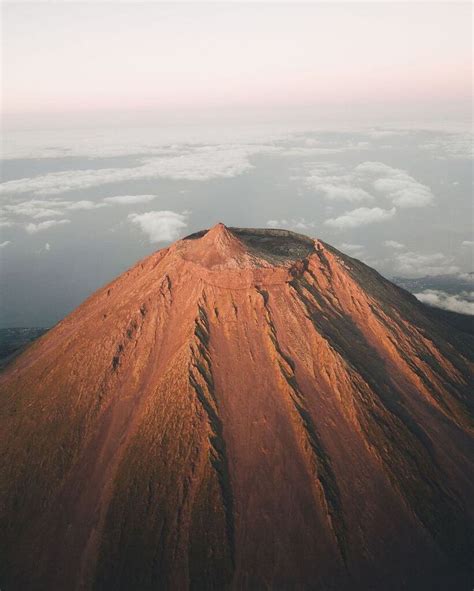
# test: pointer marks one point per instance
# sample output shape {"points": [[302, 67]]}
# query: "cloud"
{"points": [[412, 264], [34, 228], [451, 146], [360, 217], [396, 185], [85, 205], [309, 146], [394, 244], [160, 226], [133, 142], [335, 192], [467, 243], [47, 246], [294, 224], [130, 199], [335, 184], [35, 209], [357, 184], [5, 243], [463, 302], [45, 208], [200, 164]]}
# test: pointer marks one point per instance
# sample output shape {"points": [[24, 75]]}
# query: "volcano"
{"points": [[245, 410]]}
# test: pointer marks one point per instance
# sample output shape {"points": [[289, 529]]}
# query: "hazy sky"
{"points": [[128, 125], [400, 60]]}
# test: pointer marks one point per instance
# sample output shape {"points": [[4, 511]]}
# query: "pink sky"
{"points": [[401, 57]]}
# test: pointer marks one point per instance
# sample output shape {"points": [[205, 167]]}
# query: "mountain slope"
{"points": [[246, 409]]}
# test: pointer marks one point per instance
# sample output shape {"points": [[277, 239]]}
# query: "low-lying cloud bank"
{"points": [[463, 302], [196, 164]]}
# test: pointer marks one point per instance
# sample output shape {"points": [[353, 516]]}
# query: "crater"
{"points": [[275, 246]]}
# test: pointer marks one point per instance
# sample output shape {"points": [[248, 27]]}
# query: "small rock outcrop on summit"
{"points": [[244, 410]]}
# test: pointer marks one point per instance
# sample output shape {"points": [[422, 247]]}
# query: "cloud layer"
{"points": [[463, 302], [197, 164]]}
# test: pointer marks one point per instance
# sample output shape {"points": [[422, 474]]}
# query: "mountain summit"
{"points": [[245, 410]]}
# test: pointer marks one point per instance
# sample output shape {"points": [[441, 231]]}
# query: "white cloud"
{"points": [[5, 243], [47, 246], [45, 208], [393, 184], [412, 264], [404, 191], [394, 244], [456, 146], [160, 226], [341, 192], [335, 184], [134, 142], [130, 199], [466, 277], [295, 224], [467, 243], [35, 209], [85, 205], [100, 144], [200, 164], [463, 303], [316, 147], [34, 228], [396, 185], [361, 216]]}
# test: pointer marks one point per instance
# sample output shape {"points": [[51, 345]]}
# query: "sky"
{"points": [[81, 61], [126, 126]]}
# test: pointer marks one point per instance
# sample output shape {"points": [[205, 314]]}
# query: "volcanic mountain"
{"points": [[244, 410]]}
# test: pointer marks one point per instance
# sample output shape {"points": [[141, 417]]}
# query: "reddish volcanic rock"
{"points": [[246, 409]]}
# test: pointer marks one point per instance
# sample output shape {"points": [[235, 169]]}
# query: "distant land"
{"points": [[452, 284], [13, 339]]}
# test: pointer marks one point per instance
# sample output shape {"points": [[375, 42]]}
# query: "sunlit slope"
{"points": [[246, 409]]}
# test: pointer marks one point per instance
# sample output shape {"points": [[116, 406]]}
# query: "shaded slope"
{"points": [[243, 410]]}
